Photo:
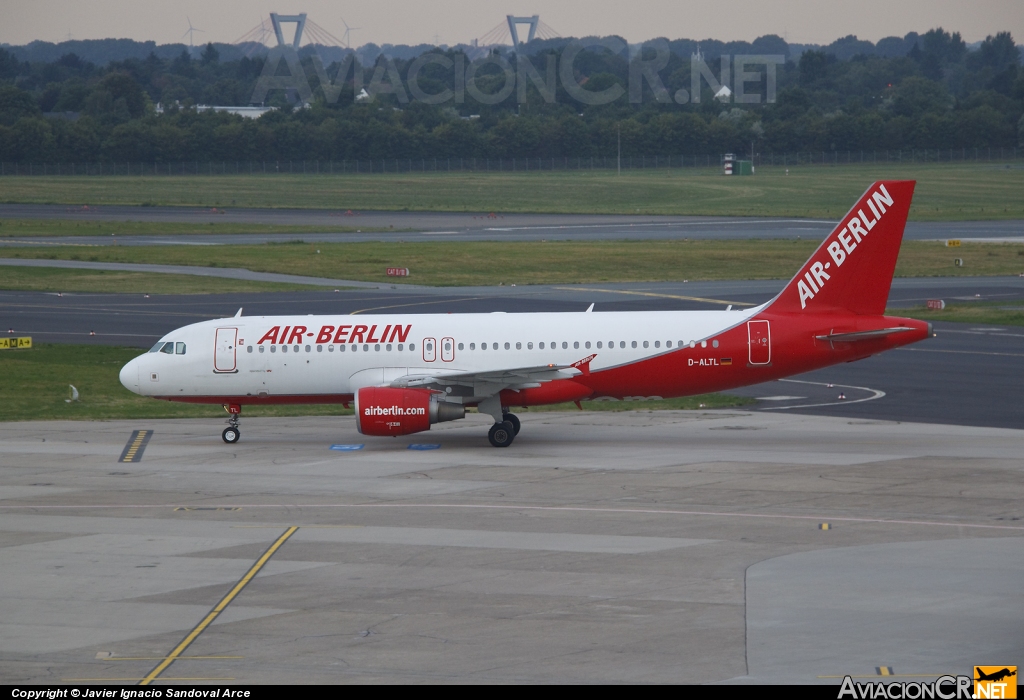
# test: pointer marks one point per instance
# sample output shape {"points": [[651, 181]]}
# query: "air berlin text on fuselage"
{"points": [[858, 227], [340, 334]]}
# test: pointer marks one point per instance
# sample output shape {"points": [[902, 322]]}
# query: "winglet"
{"points": [[584, 364], [239, 313]]}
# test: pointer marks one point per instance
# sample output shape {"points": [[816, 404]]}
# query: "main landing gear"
{"points": [[232, 434], [502, 434]]}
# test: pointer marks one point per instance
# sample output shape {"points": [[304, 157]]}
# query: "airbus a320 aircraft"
{"points": [[405, 373]]}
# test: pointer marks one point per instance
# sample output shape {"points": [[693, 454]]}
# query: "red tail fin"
{"points": [[852, 270]]}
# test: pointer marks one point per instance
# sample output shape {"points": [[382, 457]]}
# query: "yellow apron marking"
{"points": [[136, 446], [218, 608], [132, 680]]}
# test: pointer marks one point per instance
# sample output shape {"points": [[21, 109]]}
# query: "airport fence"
{"points": [[461, 165]]}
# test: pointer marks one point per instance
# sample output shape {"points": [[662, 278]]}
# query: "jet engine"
{"points": [[387, 411]]}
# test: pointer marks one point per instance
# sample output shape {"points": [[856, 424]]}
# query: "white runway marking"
{"points": [[875, 394]]}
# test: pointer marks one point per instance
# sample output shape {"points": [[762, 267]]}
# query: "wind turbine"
{"points": [[348, 31], [190, 31]]}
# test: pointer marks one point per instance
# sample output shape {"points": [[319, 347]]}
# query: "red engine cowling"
{"points": [[387, 411]]}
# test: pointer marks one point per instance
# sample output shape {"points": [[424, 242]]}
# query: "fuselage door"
{"points": [[429, 349], [224, 350], [759, 340], [447, 349]]}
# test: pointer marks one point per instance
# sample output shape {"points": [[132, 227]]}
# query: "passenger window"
{"points": [[599, 345], [507, 346], [307, 348], [576, 345], [472, 346], [366, 348], [341, 348], [634, 343], [273, 348], [284, 348], [376, 348], [412, 346], [261, 348], [529, 346], [519, 346], [483, 346], [401, 347], [167, 349], [657, 343], [330, 348], [388, 347], [460, 346], [622, 343], [248, 349], [319, 348], [714, 343], [587, 345], [296, 348], [494, 346], [540, 345], [646, 344], [179, 348]]}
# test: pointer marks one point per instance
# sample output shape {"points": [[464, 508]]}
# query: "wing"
{"points": [[488, 382]]}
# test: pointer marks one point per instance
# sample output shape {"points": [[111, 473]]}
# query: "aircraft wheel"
{"points": [[231, 435], [514, 420], [501, 434]]}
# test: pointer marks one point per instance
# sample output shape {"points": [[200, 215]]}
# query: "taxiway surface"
{"points": [[636, 547], [407, 226]]}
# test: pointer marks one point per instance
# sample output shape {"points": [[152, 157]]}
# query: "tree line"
{"points": [[936, 94]]}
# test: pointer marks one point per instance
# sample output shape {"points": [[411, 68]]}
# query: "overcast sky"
{"points": [[455, 21]]}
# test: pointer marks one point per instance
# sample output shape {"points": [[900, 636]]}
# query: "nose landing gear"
{"points": [[232, 434]]}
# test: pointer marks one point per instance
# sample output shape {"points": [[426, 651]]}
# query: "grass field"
{"points": [[944, 192], [26, 228], [37, 383], [554, 262]]}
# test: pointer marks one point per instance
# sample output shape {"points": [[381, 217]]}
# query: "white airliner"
{"points": [[406, 372]]}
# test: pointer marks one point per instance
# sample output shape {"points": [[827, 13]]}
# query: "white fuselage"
{"points": [[234, 356]]}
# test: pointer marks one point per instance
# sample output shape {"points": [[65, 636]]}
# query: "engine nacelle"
{"points": [[387, 411]]}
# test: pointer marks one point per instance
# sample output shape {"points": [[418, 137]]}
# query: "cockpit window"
{"points": [[179, 348], [167, 349], [156, 348]]}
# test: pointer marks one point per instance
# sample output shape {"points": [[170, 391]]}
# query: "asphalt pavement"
{"points": [[480, 226]]}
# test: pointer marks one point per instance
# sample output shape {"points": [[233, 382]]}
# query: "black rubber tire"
{"points": [[231, 435], [501, 434], [513, 419]]}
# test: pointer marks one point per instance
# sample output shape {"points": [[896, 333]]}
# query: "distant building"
{"points": [[247, 112]]}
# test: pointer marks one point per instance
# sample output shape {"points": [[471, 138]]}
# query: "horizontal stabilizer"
{"points": [[862, 335]]}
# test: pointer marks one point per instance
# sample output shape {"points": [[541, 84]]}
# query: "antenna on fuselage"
{"points": [[239, 314], [589, 309]]}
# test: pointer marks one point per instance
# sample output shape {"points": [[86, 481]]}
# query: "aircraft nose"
{"points": [[129, 376]]}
